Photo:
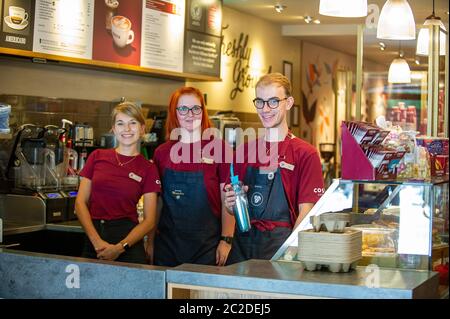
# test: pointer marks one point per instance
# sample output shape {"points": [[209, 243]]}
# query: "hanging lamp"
{"points": [[399, 71], [423, 39], [346, 9], [396, 21]]}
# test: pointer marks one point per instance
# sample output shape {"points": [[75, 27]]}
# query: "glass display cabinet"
{"points": [[404, 224]]}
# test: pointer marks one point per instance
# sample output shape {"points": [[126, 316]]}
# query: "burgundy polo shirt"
{"points": [[208, 156], [116, 189]]}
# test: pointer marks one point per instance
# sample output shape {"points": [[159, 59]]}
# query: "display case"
{"points": [[404, 224]]}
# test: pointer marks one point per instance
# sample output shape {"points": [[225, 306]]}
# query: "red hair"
{"points": [[172, 119]]}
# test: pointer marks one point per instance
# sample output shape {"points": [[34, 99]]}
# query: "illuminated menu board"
{"points": [[163, 34], [175, 36], [64, 27], [202, 37]]}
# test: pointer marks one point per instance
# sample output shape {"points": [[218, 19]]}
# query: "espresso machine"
{"points": [[39, 164]]}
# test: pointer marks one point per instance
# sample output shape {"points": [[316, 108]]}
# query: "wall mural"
{"points": [[320, 67]]}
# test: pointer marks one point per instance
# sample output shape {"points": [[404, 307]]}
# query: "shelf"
{"points": [[427, 182]]}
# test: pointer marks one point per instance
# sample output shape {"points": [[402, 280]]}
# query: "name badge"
{"points": [[288, 166], [134, 176], [207, 160]]}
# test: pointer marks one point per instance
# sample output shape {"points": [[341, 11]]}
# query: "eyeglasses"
{"points": [[273, 102], [184, 110]]}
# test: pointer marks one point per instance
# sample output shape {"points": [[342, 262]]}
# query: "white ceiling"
{"points": [[291, 17]]}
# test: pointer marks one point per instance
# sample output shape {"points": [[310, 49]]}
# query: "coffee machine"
{"points": [[40, 166]]}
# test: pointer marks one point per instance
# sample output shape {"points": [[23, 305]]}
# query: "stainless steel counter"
{"points": [[290, 278], [11, 228], [70, 226]]}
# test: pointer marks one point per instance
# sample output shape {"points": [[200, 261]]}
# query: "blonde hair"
{"points": [[275, 78], [130, 109]]}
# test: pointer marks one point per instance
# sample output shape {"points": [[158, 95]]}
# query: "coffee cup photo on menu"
{"points": [[17, 18], [117, 31], [121, 31]]}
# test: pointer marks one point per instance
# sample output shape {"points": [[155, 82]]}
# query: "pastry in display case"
{"points": [[377, 240], [404, 224]]}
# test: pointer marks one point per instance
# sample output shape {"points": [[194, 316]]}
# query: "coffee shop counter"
{"points": [[37, 275], [34, 275], [266, 279]]}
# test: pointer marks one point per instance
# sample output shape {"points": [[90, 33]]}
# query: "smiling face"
{"points": [[189, 121], [127, 129], [273, 118]]}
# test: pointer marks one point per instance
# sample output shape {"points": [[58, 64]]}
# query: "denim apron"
{"points": [[269, 215], [188, 230], [267, 202]]}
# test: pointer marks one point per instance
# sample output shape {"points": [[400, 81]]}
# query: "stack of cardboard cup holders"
{"points": [[330, 244]]}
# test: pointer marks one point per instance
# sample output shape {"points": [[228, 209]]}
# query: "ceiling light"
{"points": [[423, 39], [417, 61], [308, 19], [348, 8], [316, 21], [399, 71], [396, 21], [382, 46], [279, 8]]}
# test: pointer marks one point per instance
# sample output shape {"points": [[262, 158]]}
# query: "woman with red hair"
{"points": [[193, 226]]}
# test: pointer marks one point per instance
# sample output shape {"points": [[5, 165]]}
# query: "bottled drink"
{"points": [[240, 208]]}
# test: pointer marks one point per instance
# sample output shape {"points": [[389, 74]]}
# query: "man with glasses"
{"points": [[283, 187]]}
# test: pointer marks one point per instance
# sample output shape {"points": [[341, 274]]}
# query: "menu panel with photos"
{"points": [[17, 24], [177, 38], [117, 31]]}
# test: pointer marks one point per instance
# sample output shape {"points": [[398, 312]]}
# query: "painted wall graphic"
{"points": [[117, 31], [246, 54], [319, 82]]}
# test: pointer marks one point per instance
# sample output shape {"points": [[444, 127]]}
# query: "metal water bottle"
{"points": [[240, 208]]}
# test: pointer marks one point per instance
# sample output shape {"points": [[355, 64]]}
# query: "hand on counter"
{"points": [[111, 252], [222, 251], [100, 245]]}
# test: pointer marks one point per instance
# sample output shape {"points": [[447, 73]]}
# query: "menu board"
{"points": [[64, 27], [174, 36], [163, 34], [203, 42], [17, 24]]}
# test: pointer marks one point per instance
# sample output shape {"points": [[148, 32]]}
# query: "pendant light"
{"points": [[423, 39], [396, 21], [399, 71], [346, 9]]}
